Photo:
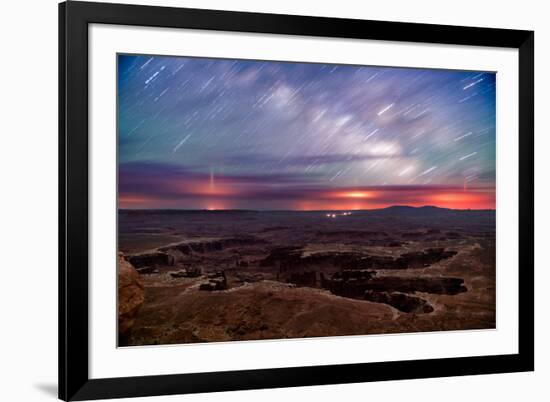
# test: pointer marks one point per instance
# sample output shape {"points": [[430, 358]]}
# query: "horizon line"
{"points": [[301, 210]]}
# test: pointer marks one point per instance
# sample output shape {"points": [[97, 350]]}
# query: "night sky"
{"points": [[198, 133]]}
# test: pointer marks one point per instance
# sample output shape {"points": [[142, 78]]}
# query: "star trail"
{"points": [[200, 133]]}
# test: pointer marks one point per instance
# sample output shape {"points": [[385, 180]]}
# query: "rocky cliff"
{"points": [[130, 295]]}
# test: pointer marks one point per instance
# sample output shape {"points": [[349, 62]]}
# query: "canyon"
{"points": [[209, 276]]}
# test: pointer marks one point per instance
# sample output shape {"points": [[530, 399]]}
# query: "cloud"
{"points": [[165, 185]]}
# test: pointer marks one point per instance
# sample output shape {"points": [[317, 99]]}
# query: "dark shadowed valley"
{"points": [[210, 276]]}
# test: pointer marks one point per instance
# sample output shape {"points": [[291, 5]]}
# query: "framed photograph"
{"points": [[257, 201]]}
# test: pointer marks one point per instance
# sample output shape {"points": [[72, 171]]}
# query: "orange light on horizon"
{"points": [[463, 200], [217, 206], [359, 194], [351, 194]]}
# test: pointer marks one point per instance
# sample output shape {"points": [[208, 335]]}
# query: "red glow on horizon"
{"points": [[355, 194], [223, 197], [133, 201]]}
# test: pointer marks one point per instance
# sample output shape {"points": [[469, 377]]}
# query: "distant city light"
{"points": [[338, 214]]}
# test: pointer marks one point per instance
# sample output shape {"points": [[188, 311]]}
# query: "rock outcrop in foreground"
{"points": [[130, 295]]}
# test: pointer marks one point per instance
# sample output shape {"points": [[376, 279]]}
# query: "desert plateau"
{"points": [[216, 276]]}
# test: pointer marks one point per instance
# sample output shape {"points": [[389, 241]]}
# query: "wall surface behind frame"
{"points": [[28, 213]]}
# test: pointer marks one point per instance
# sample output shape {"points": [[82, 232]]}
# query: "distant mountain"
{"points": [[407, 208]]}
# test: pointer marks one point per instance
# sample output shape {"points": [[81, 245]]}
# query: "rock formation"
{"points": [[188, 272], [436, 285], [344, 284], [292, 258], [308, 278], [401, 301], [130, 295], [147, 270], [210, 245], [151, 259], [216, 281]]}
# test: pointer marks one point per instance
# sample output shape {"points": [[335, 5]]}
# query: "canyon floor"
{"points": [[210, 276]]}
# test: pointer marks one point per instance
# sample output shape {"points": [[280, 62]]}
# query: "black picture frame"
{"points": [[74, 381]]}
